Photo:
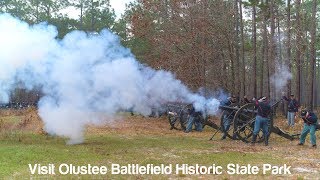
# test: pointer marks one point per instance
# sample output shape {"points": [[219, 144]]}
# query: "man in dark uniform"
{"points": [[262, 120], [193, 118], [310, 125], [246, 100], [227, 118], [293, 106]]}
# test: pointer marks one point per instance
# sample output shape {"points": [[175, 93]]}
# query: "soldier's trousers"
{"points": [[306, 129], [263, 123]]}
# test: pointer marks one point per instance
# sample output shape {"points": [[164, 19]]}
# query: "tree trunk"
{"points": [[264, 53], [48, 12], [289, 45], [272, 53], [317, 84], [232, 67], [238, 84], [92, 15], [298, 49], [37, 12], [279, 39], [313, 54], [254, 43], [281, 63], [81, 15], [243, 75], [225, 74]]}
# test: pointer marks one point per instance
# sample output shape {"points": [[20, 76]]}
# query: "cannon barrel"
{"points": [[228, 108], [235, 108]]}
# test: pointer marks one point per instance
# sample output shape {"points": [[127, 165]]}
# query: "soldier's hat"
{"points": [[303, 113], [262, 99]]}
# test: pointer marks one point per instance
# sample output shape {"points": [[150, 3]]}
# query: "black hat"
{"points": [[303, 113], [291, 94]]}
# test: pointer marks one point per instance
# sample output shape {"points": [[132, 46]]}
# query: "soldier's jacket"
{"points": [[310, 119], [264, 108], [293, 104]]}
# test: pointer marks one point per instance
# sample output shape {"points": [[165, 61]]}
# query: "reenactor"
{"points": [[193, 118], [227, 118], [310, 124], [293, 107], [262, 120]]}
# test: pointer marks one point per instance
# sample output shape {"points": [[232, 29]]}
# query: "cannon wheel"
{"points": [[183, 117], [174, 122], [244, 121], [178, 120], [229, 115]]}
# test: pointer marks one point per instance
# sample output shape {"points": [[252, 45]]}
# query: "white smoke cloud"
{"points": [[280, 78], [86, 79]]}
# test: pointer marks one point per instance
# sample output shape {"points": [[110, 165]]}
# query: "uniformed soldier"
{"points": [[310, 124]]}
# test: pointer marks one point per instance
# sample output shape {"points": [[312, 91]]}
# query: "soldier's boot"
{"points": [[254, 138], [224, 136], [266, 141], [234, 136]]}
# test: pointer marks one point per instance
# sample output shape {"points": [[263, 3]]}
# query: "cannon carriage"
{"points": [[177, 114], [244, 119], [243, 122]]}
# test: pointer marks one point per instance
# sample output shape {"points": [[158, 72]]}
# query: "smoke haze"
{"points": [[280, 78], [86, 79]]}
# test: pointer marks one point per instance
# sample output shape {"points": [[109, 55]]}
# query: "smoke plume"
{"points": [[86, 78], [280, 78]]}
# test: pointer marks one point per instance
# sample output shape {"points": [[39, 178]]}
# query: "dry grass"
{"points": [[305, 161], [21, 120]]}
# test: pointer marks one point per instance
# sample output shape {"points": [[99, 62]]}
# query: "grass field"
{"points": [[139, 140]]}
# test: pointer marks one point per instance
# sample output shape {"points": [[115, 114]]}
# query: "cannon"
{"points": [[177, 114], [243, 119]]}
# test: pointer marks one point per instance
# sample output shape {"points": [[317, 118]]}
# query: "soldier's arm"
{"points": [[312, 119]]}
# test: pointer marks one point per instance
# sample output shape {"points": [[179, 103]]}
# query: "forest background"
{"points": [[235, 46]]}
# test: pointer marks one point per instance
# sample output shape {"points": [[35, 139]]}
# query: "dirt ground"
{"points": [[305, 159], [137, 125]]}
